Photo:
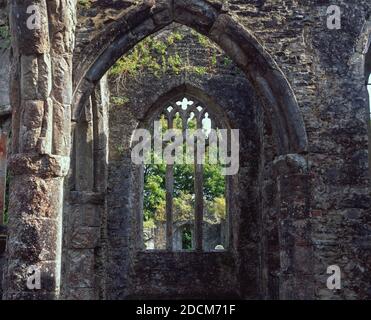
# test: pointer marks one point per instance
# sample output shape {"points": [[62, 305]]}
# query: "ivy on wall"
{"points": [[4, 37], [84, 3], [153, 55], [150, 55], [160, 55]]}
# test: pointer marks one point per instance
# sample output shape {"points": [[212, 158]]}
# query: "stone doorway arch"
{"points": [[274, 91]]}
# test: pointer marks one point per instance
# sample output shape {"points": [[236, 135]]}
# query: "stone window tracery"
{"points": [[189, 212]]}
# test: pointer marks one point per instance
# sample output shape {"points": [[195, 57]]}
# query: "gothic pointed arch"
{"points": [[210, 19]]}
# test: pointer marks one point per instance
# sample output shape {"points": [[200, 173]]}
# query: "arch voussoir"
{"points": [[272, 86], [197, 14], [134, 22]]}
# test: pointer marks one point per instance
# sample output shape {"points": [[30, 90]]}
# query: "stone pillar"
{"points": [[296, 250], [3, 153], [41, 93]]}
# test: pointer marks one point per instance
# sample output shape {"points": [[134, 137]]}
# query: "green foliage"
{"points": [[120, 149], [4, 37], [187, 239], [183, 201], [199, 70], [154, 192], [183, 207], [152, 55], [217, 207], [160, 56], [214, 59], [175, 63], [148, 224], [183, 179], [204, 41], [119, 100], [84, 3], [214, 181], [6, 198], [174, 37], [227, 61]]}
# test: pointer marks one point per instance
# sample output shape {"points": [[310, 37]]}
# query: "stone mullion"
{"points": [[169, 183], [199, 194], [35, 208]]}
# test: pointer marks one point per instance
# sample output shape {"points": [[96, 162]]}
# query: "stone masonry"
{"points": [[72, 198]]}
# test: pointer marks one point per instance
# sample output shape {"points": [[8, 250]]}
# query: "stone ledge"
{"points": [[47, 166]]}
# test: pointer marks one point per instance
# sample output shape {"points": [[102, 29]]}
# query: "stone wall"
{"points": [[189, 275], [330, 91]]}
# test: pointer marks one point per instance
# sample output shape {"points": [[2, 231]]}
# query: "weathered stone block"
{"points": [[34, 244], [18, 276], [85, 238], [80, 272], [199, 15], [82, 294], [32, 120], [294, 287], [61, 128], [62, 79], [44, 166]]}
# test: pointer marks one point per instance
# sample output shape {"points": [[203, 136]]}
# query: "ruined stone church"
{"points": [[78, 77]]}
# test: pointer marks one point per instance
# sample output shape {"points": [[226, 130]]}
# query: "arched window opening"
{"points": [[187, 238], [184, 202]]}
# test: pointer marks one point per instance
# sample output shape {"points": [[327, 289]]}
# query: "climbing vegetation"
{"points": [[160, 55], [84, 3], [151, 54], [4, 37]]}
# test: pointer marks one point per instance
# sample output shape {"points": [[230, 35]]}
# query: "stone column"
{"points": [[3, 153], [41, 94], [296, 250]]}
